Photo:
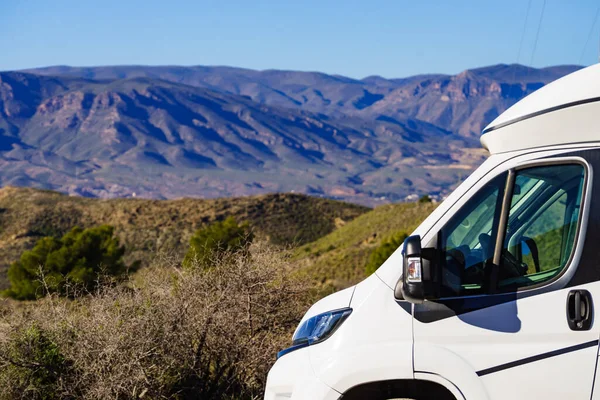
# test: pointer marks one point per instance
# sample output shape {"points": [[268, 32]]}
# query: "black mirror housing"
{"points": [[412, 274]]}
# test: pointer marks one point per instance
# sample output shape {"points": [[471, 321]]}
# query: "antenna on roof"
{"points": [[523, 32], [521, 41], [537, 34], [590, 36]]}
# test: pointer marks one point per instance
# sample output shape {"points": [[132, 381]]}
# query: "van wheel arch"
{"points": [[399, 389]]}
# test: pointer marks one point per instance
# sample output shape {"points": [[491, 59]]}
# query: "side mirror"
{"points": [[412, 277]]}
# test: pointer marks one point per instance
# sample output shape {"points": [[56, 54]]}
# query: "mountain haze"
{"points": [[167, 132]]}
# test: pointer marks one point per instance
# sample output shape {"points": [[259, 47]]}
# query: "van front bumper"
{"points": [[292, 377]]}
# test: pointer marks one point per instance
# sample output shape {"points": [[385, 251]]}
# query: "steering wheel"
{"points": [[457, 265], [510, 267]]}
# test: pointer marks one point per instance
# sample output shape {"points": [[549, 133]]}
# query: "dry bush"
{"points": [[168, 333]]}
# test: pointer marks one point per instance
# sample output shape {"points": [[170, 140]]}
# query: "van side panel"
{"points": [[515, 350], [520, 347]]}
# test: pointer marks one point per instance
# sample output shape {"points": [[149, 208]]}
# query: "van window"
{"points": [[538, 240], [542, 224], [467, 244]]}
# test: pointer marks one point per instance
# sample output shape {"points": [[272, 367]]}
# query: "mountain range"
{"points": [[173, 131]]}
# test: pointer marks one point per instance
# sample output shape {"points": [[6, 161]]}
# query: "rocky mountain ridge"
{"points": [[168, 132]]}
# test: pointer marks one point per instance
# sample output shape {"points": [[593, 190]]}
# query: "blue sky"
{"points": [[392, 38]]}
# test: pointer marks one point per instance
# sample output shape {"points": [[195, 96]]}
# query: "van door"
{"points": [[517, 293]]}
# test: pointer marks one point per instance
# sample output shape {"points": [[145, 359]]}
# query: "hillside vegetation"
{"points": [[204, 326], [338, 259], [146, 227], [171, 333]]}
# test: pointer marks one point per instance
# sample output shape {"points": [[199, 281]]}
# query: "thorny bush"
{"points": [[192, 333]]}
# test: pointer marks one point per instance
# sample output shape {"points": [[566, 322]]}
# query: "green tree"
{"points": [[216, 240], [384, 251], [425, 199], [79, 257]]}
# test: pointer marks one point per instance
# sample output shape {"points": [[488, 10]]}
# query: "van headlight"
{"points": [[317, 329]]}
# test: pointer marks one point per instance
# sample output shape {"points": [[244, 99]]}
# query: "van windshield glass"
{"points": [[467, 241]]}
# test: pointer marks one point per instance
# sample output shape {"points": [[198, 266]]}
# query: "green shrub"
{"points": [[384, 251], [78, 258], [425, 199], [33, 365], [214, 241]]}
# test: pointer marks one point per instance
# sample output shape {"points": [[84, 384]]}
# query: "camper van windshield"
{"points": [[466, 238]]}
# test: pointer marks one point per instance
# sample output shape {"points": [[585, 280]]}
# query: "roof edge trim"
{"points": [[541, 112]]}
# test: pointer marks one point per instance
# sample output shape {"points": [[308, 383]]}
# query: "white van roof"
{"points": [[566, 111]]}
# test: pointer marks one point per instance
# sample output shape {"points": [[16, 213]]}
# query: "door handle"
{"points": [[579, 310]]}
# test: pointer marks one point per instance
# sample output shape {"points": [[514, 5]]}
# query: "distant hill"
{"points": [[168, 132], [146, 227]]}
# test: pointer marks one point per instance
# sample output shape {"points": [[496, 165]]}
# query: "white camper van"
{"points": [[496, 294]]}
